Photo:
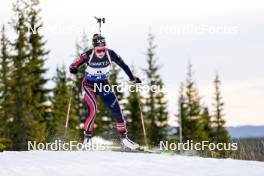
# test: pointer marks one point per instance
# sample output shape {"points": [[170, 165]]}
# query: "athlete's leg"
{"points": [[91, 109], [111, 101]]}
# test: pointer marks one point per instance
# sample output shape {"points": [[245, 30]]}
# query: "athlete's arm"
{"points": [[79, 61], [119, 61]]}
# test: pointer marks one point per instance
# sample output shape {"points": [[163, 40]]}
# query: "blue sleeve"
{"points": [[119, 61]]}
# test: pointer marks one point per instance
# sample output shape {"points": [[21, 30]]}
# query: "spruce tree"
{"points": [[133, 116], [156, 113], [182, 113], [4, 91], [37, 57], [220, 133], [161, 114], [207, 123], [23, 126], [60, 101], [191, 123]]}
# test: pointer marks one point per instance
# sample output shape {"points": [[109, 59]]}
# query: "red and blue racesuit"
{"points": [[97, 72]]}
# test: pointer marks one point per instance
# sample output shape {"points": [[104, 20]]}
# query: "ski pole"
{"points": [[142, 119], [143, 125], [68, 113]]}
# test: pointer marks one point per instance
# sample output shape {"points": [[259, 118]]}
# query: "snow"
{"points": [[95, 163], [100, 141]]}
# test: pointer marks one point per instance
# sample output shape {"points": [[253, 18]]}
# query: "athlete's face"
{"points": [[100, 52]]}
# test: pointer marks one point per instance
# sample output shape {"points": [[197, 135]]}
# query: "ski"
{"points": [[141, 149]]}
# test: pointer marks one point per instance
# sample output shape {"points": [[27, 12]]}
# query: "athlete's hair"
{"points": [[95, 35], [98, 40]]}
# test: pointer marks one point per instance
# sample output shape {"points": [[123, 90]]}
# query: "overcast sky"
{"points": [[225, 36]]}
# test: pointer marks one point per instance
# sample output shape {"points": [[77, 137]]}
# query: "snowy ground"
{"points": [[74, 163]]}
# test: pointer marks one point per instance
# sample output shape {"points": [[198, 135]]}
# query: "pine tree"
{"points": [[133, 116], [220, 133], [207, 123], [182, 114], [191, 118], [161, 114], [156, 113], [60, 101], [4, 91], [37, 58], [24, 125]]}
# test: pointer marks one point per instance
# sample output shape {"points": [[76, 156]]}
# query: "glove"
{"points": [[73, 70], [136, 80]]}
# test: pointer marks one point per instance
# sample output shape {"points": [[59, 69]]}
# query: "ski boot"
{"points": [[127, 143], [87, 143]]}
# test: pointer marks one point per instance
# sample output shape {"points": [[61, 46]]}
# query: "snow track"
{"points": [[107, 163]]}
